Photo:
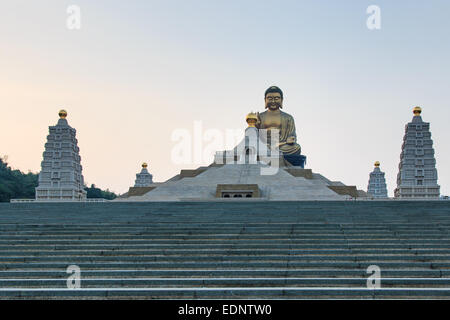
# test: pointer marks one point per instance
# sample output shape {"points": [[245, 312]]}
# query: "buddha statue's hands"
{"points": [[290, 140]]}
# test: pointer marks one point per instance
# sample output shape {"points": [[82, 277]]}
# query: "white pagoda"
{"points": [[144, 178], [417, 176], [60, 178], [377, 183]]}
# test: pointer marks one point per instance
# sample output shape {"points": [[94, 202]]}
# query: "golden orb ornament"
{"points": [[417, 111], [377, 163], [251, 119], [144, 165], [62, 114]]}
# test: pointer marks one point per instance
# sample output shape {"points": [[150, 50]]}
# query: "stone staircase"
{"points": [[225, 250]]}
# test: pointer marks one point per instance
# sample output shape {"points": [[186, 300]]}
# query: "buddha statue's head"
{"points": [[273, 98]]}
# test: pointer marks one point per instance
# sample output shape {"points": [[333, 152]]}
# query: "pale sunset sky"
{"points": [[138, 71]]}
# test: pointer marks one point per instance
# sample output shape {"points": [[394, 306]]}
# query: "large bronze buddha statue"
{"points": [[274, 118]]}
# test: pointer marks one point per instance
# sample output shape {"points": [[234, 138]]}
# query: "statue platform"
{"points": [[245, 182], [250, 171]]}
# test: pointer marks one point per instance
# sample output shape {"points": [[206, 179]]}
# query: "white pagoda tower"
{"points": [[377, 183], [144, 178], [60, 178], [417, 176]]}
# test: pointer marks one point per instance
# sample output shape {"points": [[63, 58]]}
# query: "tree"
{"points": [[15, 184], [94, 192]]}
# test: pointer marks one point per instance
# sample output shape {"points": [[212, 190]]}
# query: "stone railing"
{"points": [[97, 200], [53, 201]]}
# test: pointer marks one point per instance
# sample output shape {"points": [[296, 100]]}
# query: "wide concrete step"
{"points": [[87, 251], [224, 235], [221, 273], [226, 293], [64, 258], [188, 223], [224, 264], [106, 246], [212, 237], [190, 231], [220, 243], [224, 282]]}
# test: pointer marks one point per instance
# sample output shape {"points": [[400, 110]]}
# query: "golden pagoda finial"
{"points": [[417, 111], [62, 114], [144, 165], [377, 163], [251, 119]]}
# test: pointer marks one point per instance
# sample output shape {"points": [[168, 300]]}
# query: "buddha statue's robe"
{"points": [[284, 122]]}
